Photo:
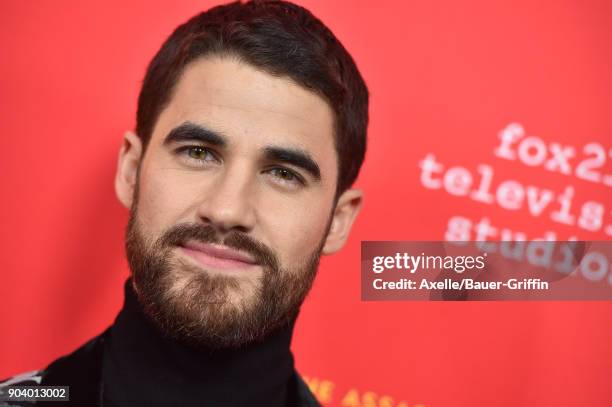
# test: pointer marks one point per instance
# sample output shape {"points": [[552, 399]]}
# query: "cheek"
{"points": [[162, 200], [297, 232]]}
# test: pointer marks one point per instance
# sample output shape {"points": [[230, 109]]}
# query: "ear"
{"points": [[127, 168], [347, 208]]}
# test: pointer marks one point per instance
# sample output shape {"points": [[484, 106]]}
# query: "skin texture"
{"points": [[236, 189]]}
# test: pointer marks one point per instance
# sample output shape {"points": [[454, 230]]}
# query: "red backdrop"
{"points": [[445, 78]]}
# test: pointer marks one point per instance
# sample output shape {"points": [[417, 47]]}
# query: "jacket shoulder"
{"points": [[32, 378], [80, 370], [83, 363], [307, 399]]}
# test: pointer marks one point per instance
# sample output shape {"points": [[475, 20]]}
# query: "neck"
{"points": [[144, 367]]}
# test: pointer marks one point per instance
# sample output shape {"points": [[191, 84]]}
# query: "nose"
{"points": [[229, 202]]}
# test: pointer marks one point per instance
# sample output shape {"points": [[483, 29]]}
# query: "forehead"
{"points": [[250, 106]]}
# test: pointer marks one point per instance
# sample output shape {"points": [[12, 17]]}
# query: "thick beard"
{"points": [[194, 307]]}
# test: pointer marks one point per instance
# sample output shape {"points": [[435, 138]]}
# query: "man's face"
{"points": [[232, 205]]}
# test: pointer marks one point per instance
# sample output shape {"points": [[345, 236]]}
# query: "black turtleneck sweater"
{"points": [[141, 367]]}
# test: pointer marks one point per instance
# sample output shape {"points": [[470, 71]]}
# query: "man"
{"points": [[251, 128]]}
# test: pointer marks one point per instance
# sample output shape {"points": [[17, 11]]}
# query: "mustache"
{"points": [[180, 234]]}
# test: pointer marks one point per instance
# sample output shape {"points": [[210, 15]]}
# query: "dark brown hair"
{"points": [[281, 38]]}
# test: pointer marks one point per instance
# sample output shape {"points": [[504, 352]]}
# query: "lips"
{"points": [[218, 256]]}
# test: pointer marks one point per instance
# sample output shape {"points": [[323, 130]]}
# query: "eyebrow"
{"points": [[190, 131], [194, 132]]}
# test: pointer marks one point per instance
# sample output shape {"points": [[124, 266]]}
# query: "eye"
{"points": [[286, 176], [197, 154]]}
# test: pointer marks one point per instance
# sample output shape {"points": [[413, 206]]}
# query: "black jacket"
{"points": [[82, 371]]}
